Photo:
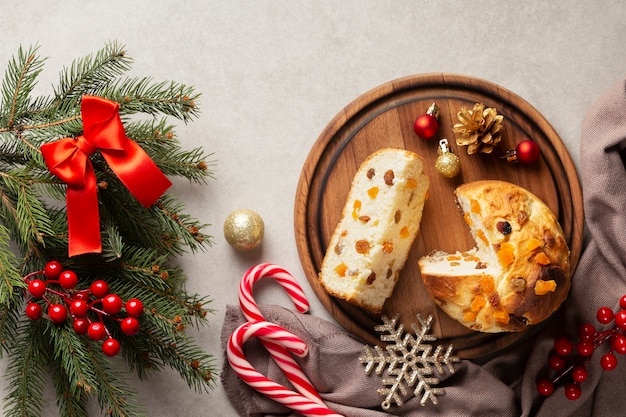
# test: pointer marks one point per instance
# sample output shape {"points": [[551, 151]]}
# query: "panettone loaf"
{"points": [[379, 222], [519, 272]]}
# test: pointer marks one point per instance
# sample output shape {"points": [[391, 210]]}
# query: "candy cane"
{"points": [[285, 279], [252, 313], [256, 380]]}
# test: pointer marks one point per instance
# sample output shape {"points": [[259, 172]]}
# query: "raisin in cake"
{"points": [[517, 275], [379, 223]]}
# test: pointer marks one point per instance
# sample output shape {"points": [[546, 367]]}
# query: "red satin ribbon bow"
{"points": [[68, 159]]}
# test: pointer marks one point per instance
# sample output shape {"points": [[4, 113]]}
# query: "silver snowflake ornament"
{"points": [[410, 362]]}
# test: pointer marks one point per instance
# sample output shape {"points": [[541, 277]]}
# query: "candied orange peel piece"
{"points": [[341, 269], [506, 254], [533, 243], [543, 287], [372, 192], [542, 259]]}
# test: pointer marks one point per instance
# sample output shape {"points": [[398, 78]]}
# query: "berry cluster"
{"points": [[96, 300], [571, 359]]}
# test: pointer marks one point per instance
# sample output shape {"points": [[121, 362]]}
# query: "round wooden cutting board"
{"points": [[383, 117]]}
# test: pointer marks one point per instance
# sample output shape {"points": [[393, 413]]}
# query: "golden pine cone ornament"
{"points": [[480, 129]]}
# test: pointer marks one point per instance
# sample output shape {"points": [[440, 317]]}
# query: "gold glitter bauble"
{"points": [[447, 164], [244, 229]]}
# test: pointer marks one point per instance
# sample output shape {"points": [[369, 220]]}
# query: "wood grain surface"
{"points": [[383, 117]]}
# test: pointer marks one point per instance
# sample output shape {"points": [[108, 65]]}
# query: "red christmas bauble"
{"points": [[527, 152], [426, 126]]}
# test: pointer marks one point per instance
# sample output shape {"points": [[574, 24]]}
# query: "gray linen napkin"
{"points": [[505, 385]]}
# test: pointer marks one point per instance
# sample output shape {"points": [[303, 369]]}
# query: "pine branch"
{"points": [[170, 213], [183, 355], [23, 210], [11, 285], [27, 372], [91, 74], [143, 95], [68, 405], [158, 139], [10, 277], [139, 244], [115, 396], [19, 81], [72, 355]]}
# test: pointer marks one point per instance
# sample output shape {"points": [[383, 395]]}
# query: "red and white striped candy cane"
{"points": [[252, 313], [264, 385], [285, 279]]}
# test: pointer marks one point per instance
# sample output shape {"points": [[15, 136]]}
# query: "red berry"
{"points": [[579, 373], [622, 302], [80, 325], [112, 303], [37, 288], [572, 391], [545, 387], [586, 331], [96, 331], [620, 319], [130, 326], [81, 295], [33, 311], [68, 280], [618, 343], [563, 346], [605, 315], [111, 347], [556, 361], [53, 269], [57, 313], [584, 348], [134, 307], [608, 361], [99, 288], [79, 308]]}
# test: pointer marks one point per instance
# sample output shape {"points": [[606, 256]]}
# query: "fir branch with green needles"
{"points": [[140, 245]]}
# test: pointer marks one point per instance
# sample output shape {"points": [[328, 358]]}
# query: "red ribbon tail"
{"points": [[83, 218], [138, 173]]}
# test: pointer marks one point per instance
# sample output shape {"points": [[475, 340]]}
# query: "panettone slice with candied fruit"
{"points": [[519, 272]]}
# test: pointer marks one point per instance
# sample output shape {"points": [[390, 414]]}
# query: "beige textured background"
{"points": [[274, 73]]}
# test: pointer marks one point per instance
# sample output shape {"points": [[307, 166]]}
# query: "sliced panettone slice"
{"points": [[379, 222], [519, 272]]}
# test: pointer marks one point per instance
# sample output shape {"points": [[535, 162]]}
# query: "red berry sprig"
{"points": [[571, 359], [82, 305]]}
